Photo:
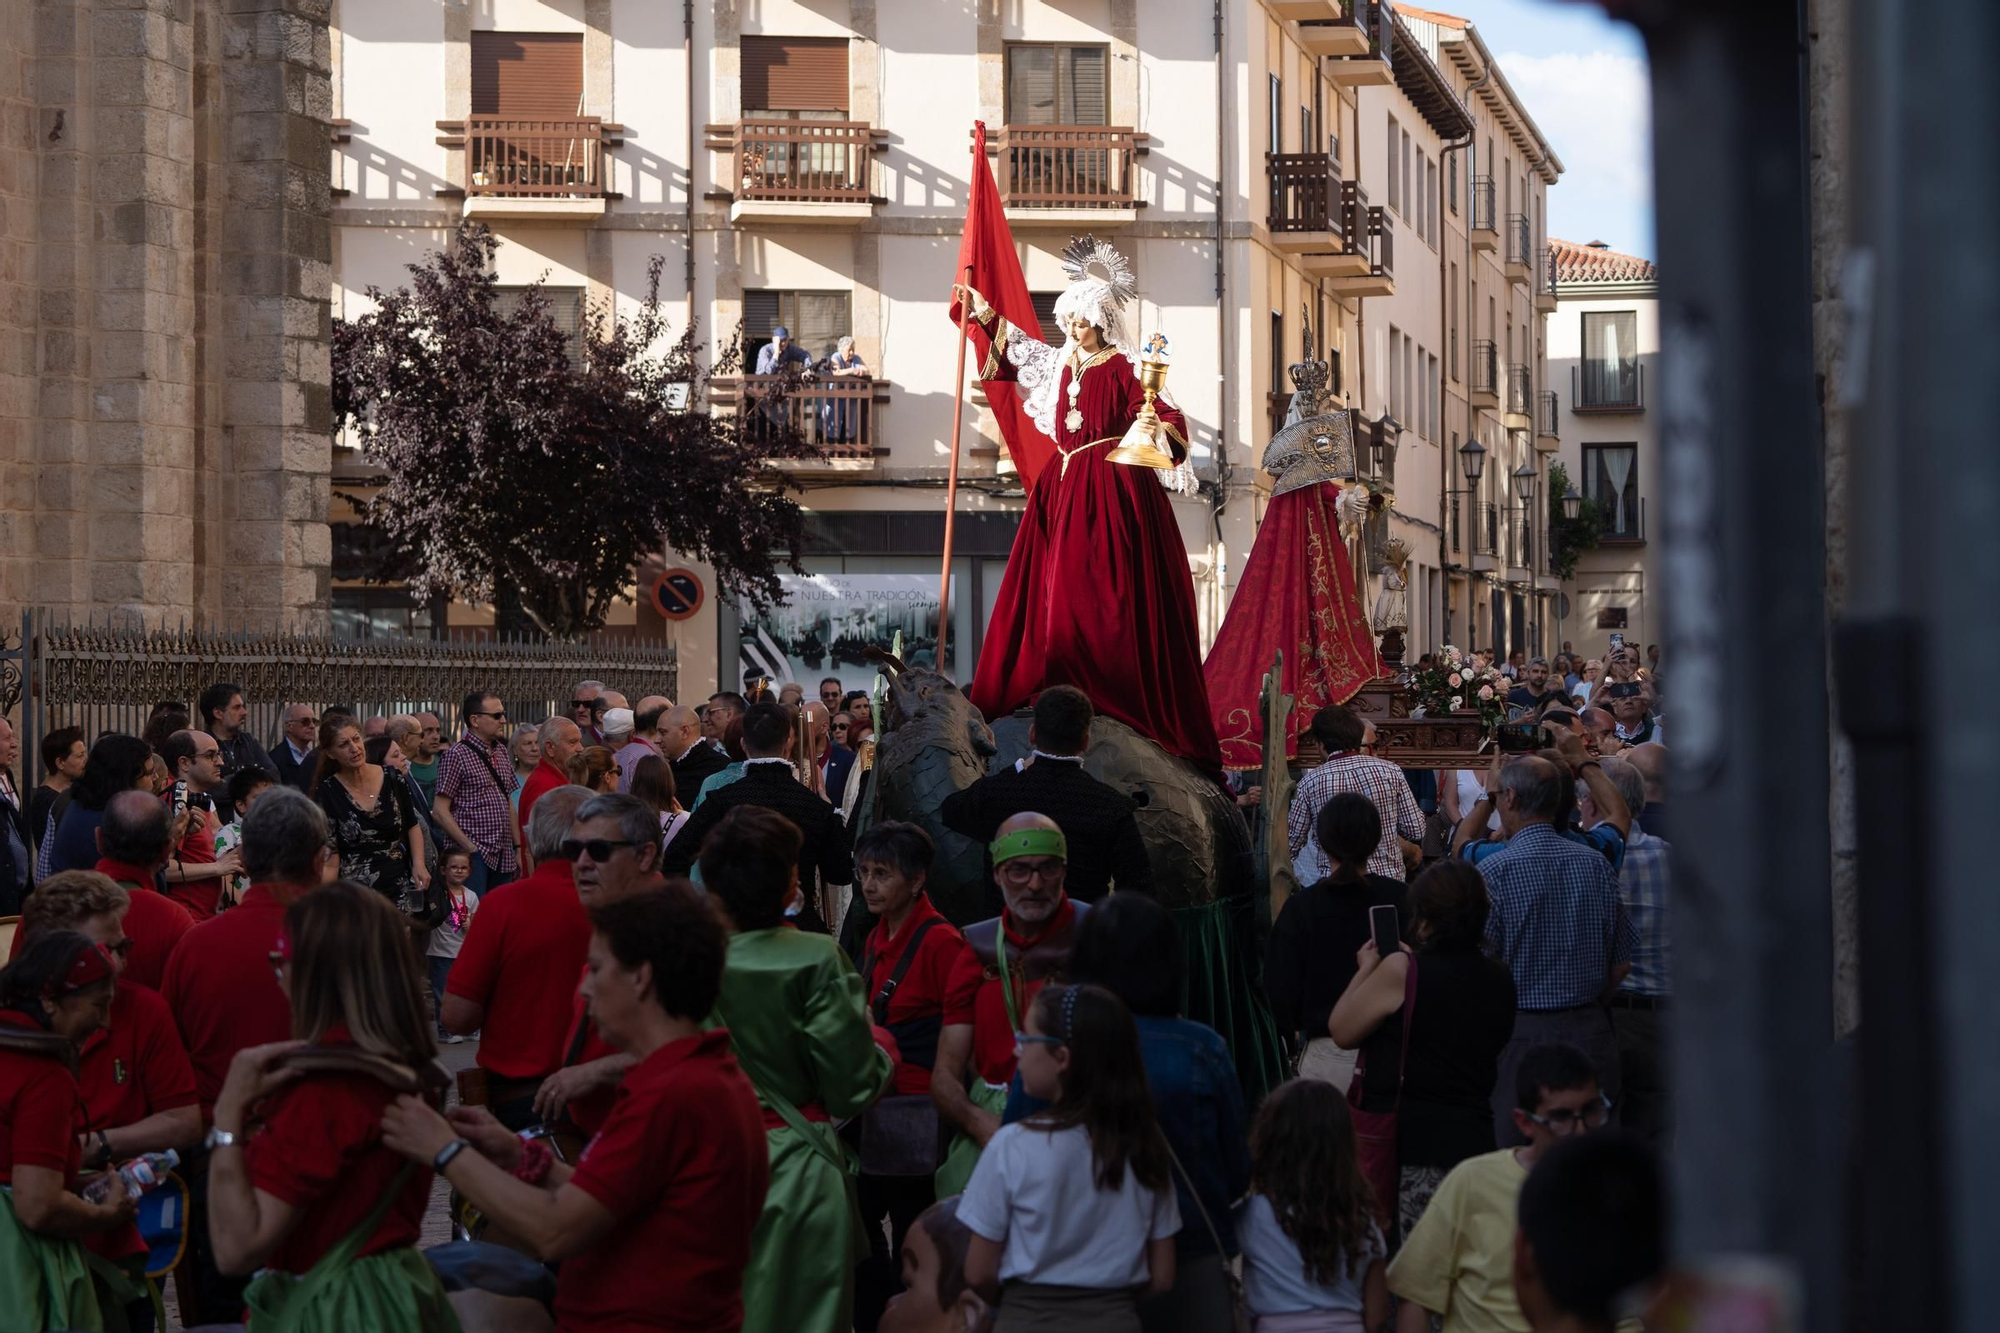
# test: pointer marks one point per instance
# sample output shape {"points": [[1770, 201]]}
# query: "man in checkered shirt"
{"points": [[1641, 1005], [475, 778], [1351, 766], [1558, 923]]}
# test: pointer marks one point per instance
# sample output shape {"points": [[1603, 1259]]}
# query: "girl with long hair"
{"points": [[653, 783], [116, 763], [594, 767], [52, 997], [311, 1188], [1072, 1210], [1312, 1253]]}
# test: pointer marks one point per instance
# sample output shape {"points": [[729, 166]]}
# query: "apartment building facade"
{"points": [[1290, 177], [1604, 348]]}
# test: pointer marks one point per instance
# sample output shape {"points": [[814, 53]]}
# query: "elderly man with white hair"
{"points": [[560, 740]]}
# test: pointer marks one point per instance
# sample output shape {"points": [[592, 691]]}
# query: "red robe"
{"points": [[1097, 592], [1297, 595]]}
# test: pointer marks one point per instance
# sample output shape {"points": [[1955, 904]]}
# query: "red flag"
{"points": [[988, 264]]}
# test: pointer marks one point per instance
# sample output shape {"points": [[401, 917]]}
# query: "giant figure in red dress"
{"points": [[1097, 592]]}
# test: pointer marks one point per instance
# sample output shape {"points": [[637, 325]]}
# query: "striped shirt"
{"points": [[1557, 920]]}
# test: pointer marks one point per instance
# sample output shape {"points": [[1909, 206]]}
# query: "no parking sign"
{"points": [[677, 594]]}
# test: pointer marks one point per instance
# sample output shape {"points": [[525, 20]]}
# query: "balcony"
{"points": [[1520, 544], [533, 169], [1610, 390], [1069, 175], [1367, 62], [1486, 537], [842, 416], [1485, 381], [1548, 414], [1630, 532], [1545, 282], [1520, 256], [1515, 415], [1485, 227], [798, 172], [1333, 31], [1370, 237], [1307, 215], [1305, 10]]}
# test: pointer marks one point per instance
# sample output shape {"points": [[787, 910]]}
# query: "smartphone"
{"points": [[1617, 641], [1521, 737], [1382, 924]]}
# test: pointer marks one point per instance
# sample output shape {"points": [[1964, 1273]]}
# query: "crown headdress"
{"points": [[1086, 259]]}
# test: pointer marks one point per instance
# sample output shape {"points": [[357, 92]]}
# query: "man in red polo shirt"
{"points": [[133, 842], [196, 875], [617, 827], [224, 992], [560, 742], [517, 967], [1027, 945]]}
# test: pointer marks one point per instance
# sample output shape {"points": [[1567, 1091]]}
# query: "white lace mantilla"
{"points": [[1038, 370]]}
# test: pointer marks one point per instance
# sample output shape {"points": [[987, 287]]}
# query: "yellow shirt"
{"points": [[1459, 1258]]}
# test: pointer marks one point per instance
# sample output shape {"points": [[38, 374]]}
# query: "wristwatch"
{"points": [[218, 1138], [446, 1153]]}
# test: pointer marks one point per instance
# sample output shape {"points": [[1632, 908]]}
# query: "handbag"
{"points": [[1239, 1307], [1375, 1131], [901, 1134]]}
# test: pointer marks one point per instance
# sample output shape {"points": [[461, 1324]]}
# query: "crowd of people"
{"points": [[735, 1069]]}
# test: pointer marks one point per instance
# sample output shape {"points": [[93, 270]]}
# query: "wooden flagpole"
{"points": [[963, 278]]}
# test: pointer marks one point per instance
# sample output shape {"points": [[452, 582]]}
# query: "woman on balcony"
{"points": [[845, 419], [1097, 592]]}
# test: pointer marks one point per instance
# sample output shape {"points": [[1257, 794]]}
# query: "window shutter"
{"points": [[1086, 99], [794, 74], [565, 305], [1045, 312], [822, 322], [1031, 85], [529, 75]]}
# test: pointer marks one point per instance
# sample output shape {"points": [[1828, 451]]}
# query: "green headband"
{"points": [[1030, 842]]}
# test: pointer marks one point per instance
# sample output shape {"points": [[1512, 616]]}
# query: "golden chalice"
{"points": [[1145, 440]]}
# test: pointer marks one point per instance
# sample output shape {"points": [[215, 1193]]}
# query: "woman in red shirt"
{"points": [[653, 1224], [53, 996], [300, 1182]]}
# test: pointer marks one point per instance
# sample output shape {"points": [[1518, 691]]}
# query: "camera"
{"points": [[1522, 737]]}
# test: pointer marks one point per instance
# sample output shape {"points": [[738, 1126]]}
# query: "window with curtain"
{"points": [[818, 320], [1389, 163], [1430, 197], [1278, 382], [1409, 196], [1451, 182], [1610, 359], [1059, 85], [1395, 394], [1611, 476], [1277, 113]]}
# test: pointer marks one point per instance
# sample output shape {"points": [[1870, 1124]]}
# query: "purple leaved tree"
{"points": [[514, 460]]}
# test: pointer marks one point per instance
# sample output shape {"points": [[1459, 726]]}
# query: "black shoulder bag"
{"points": [[901, 1135]]}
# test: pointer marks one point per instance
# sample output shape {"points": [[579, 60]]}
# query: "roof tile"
{"points": [[1589, 263]]}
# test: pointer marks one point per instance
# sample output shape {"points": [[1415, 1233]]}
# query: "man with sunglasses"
{"points": [[475, 778], [583, 708], [1458, 1259], [1008, 961]]}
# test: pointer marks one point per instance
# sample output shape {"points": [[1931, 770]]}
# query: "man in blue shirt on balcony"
{"points": [[774, 355]]}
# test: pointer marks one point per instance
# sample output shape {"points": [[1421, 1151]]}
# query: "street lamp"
{"points": [[1388, 434], [1524, 483], [1572, 503], [1472, 458]]}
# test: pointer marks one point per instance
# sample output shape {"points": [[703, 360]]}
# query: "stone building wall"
{"points": [[164, 309]]}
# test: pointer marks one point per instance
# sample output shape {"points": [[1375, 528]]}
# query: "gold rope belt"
{"points": [[1068, 454]]}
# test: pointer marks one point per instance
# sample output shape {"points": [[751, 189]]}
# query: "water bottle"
{"points": [[140, 1175]]}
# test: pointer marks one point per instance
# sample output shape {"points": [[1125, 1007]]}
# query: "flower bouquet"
{"points": [[1455, 683]]}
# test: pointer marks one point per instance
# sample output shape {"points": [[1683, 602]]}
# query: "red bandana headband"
{"points": [[90, 966]]}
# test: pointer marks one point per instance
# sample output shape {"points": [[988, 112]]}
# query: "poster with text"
{"points": [[826, 622]]}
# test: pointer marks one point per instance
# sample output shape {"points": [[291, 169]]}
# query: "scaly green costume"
{"points": [[798, 1021], [44, 1282]]}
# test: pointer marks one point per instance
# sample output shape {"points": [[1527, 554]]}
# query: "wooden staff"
{"points": [[951, 482]]}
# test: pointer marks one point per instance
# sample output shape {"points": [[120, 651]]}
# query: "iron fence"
{"points": [[104, 677]]}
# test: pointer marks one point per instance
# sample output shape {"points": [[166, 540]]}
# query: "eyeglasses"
{"points": [[1565, 1122], [581, 703], [1020, 870], [502, 715], [1030, 1039], [598, 849]]}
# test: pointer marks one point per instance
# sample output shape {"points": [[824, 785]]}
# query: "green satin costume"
{"points": [[798, 1022]]}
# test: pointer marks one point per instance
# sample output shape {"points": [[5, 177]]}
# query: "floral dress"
{"points": [[373, 844]]}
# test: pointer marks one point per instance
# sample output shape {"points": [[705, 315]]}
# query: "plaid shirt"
{"points": [[1557, 921], [1642, 884], [1377, 779], [479, 802]]}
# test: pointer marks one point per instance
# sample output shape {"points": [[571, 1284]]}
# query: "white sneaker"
{"points": [[450, 1038]]}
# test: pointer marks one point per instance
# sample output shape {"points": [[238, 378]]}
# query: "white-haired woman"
{"points": [[1097, 592], [846, 419]]}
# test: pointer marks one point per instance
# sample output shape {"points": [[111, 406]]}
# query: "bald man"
{"points": [[645, 738], [975, 1056], [692, 756]]}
